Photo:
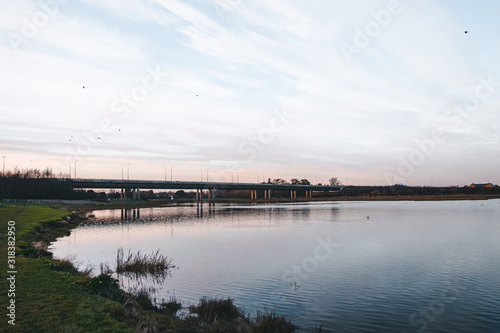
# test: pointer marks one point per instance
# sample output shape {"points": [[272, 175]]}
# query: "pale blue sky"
{"points": [[359, 90]]}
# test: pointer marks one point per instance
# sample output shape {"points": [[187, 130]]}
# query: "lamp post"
{"points": [[122, 170], [165, 172], [3, 172], [207, 174], [75, 168], [128, 169], [173, 166], [69, 163]]}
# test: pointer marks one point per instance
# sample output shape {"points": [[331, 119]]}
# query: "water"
{"points": [[349, 266]]}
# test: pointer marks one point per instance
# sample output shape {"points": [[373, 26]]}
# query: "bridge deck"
{"points": [[187, 185]]}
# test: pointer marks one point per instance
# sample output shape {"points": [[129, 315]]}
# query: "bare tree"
{"points": [[334, 181]]}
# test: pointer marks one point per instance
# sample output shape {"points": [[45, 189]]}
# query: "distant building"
{"points": [[482, 185]]}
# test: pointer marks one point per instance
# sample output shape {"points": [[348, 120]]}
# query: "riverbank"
{"points": [[48, 295]]}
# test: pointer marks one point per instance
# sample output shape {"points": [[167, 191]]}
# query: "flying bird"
{"points": [[83, 87], [466, 31]]}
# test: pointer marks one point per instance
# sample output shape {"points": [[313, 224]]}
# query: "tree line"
{"points": [[34, 183]]}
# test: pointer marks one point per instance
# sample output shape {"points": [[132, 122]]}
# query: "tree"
{"points": [[334, 181], [180, 194], [295, 181], [279, 181], [304, 182]]}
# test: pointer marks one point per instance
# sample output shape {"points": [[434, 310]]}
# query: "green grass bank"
{"points": [[52, 296]]}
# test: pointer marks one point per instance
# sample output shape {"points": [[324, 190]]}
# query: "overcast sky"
{"points": [[371, 92]]}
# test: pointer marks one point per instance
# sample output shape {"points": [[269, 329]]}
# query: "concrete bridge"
{"points": [[137, 185]]}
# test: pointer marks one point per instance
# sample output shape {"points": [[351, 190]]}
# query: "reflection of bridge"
{"points": [[136, 185]]}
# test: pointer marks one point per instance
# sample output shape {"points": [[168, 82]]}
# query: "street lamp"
{"points": [[69, 162], [207, 174], [128, 169], [122, 170], [75, 168], [3, 173], [173, 166], [165, 169]]}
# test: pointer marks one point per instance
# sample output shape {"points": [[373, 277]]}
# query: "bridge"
{"points": [[136, 185]]}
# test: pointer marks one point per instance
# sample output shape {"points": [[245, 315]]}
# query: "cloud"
{"points": [[244, 60]]}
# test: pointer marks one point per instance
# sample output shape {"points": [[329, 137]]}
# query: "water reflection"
{"points": [[131, 214], [384, 269]]}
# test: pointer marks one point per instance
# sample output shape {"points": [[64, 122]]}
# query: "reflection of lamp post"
{"points": [[69, 162], [75, 168], [128, 169], [173, 166]]}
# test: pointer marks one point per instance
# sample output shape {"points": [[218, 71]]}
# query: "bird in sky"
{"points": [[83, 87], [466, 31]]}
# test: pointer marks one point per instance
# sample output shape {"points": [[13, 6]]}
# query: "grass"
{"points": [[270, 322], [50, 295], [156, 264], [53, 296]]}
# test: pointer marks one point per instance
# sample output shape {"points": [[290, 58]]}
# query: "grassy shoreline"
{"points": [[53, 296], [49, 294]]}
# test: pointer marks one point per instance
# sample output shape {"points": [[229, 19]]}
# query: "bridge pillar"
{"points": [[138, 193]]}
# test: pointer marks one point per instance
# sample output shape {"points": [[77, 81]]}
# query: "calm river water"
{"points": [[349, 266]]}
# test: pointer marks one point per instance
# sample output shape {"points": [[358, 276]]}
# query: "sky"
{"points": [[371, 92]]}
